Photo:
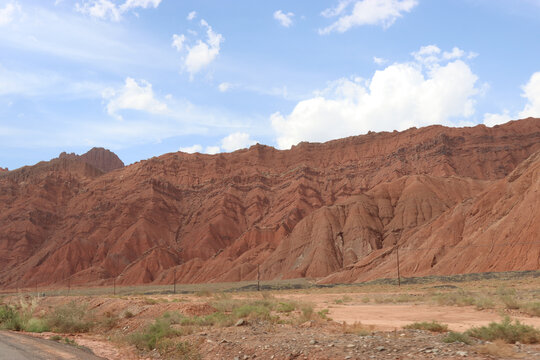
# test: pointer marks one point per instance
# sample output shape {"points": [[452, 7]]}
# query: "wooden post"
{"points": [[397, 257], [69, 285], [174, 281], [114, 285], [258, 278]]}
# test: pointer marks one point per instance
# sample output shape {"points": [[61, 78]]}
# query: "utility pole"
{"points": [[174, 281], [258, 278], [69, 285], [397, 257], [114, 285]]}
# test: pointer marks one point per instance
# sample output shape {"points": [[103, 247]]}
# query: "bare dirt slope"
{"points": [[331, 210]]}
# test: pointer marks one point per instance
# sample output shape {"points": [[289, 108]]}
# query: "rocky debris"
{"points": [[289, 342], [332, 210]]}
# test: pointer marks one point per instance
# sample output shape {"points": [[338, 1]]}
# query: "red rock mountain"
{"points": [[456, 200], [99, 158], [2, 169]]}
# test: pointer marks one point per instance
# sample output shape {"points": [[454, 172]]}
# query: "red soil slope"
{"points": [[331, 211]]}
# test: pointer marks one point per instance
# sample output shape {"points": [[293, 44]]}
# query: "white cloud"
{"points": [[379, 61], [178, 41], [497, 119], [398, 97], [192, 15], [191, 149], [107, 9], [235, 141], [8, 13], [133, 96], [366, 12], [285, 19], [225, 86], [431, 54], [211, 150], [531, 91], [203, 53]]}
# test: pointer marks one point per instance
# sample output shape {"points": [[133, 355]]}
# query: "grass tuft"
{"points": [[506, 331], [429, 326]]}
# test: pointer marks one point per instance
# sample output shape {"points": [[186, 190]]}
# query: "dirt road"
{"points": [[15, 346]]}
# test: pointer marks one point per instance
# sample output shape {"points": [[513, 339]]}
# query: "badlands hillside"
{"points": [[455, 200]]}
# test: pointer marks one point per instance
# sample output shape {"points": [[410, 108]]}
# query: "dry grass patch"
{"points": [[357, 329], [432, 326], [499, 349]]}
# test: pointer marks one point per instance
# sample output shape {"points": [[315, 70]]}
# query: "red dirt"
{"points": [[467, 197]]}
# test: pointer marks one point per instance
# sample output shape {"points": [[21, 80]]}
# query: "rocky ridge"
{"points": [[332, 211]]}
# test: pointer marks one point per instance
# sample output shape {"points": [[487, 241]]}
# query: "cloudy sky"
{"points": [[147, 77]]}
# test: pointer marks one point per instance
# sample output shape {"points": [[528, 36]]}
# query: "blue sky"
{"points": [[147, 77]]}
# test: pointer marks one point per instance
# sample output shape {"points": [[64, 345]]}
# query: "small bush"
{"points": [[149, 338], [507, 331], [429, 326], [453, 337], [365, 300], [532, 308], [36, 325], [323, 314], [510, 302], [70, 318], [55, 338], [128, 314], [173, 349], [484, 303], [10, 318], [285, 307]]}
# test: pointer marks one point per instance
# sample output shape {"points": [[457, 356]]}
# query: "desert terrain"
{"points": [[424, 318]]}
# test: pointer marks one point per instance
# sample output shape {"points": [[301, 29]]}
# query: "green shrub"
{"points": [[506, 331], [285, 307], [36, 325], [149, 338], [453, 337], [10, 318], [429, 326], [459, 298], [70, 318]]}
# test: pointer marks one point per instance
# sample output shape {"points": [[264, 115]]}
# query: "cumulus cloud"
{"points": [[8, 13], [235, 141], [202, 53], [398, 97], [107, 9], [285, 19], [531, 92], [133, 96], [192, 15], [366, 12], [191, 149]]}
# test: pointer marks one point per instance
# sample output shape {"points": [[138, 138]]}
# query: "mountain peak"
{"points": [[102, 159]]}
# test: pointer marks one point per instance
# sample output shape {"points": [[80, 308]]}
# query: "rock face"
{"points": [[99, 158], [3, 170], [454, 199]]}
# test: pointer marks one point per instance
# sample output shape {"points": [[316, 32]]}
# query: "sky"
{"points": [[147, 77]]}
